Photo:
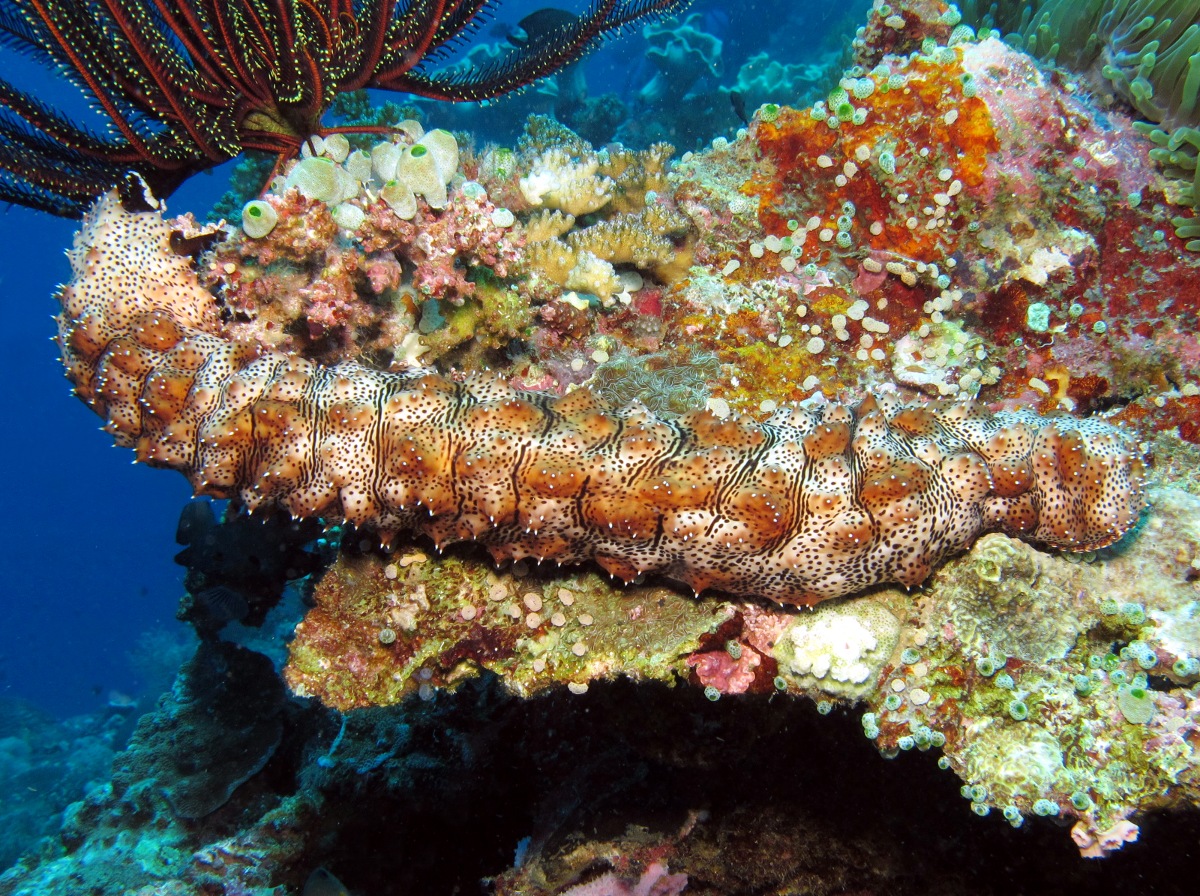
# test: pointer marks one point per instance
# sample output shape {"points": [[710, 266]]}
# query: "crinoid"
{"points": [[188, 84]]}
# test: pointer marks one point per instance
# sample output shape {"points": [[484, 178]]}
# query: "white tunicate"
{"points": [[315, 178], [337, 147], [258, 219], [358, 166], [400, 199], [348, 217], [383, 161]]}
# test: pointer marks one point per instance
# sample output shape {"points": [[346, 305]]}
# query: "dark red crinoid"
{"points": [[188, 84]]}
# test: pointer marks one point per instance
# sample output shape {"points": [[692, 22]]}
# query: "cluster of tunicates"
{"points": [[398, 171]]}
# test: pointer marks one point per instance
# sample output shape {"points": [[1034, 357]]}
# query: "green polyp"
{"points": [[1045, 808], [1133, 613], [986, 666]]}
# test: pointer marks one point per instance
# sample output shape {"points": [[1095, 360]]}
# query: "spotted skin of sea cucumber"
{"points": [[809, 505]]}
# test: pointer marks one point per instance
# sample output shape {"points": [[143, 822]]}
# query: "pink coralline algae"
{"points": [[347, 277], [654, 881]]}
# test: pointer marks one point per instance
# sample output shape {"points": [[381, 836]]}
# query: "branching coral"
{"points": [[617, 191]]}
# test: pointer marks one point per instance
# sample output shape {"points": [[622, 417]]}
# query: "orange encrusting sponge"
{"points": [[809, 505]]}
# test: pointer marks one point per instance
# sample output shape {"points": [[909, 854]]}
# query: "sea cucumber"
{"points": [[809, 505]]}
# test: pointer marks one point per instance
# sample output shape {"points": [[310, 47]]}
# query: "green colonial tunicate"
{"points": [[400, 199], [1136, 704], [315, 178], [417, 169], [1037, 317], [1186, 667], [1019, 710], [348, 217], [1133, 613], [337, 147], [428, 166], [258, 219], [712, 693], [1045, 808], [383, 161], [358, 166]]}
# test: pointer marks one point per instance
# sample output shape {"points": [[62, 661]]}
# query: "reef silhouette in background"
{"points": [[189, 84]]}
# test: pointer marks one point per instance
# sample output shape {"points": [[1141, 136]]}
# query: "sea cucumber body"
{"points": [[809, 505]]}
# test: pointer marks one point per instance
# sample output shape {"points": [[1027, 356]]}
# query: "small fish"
{"points": [[539, 24], [322, 883], [220, 604], [738, 101]]}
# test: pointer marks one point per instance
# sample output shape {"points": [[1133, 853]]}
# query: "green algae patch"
{"points": [[387, 626]]}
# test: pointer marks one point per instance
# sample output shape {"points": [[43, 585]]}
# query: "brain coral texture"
{"points": [[810, 505]]}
